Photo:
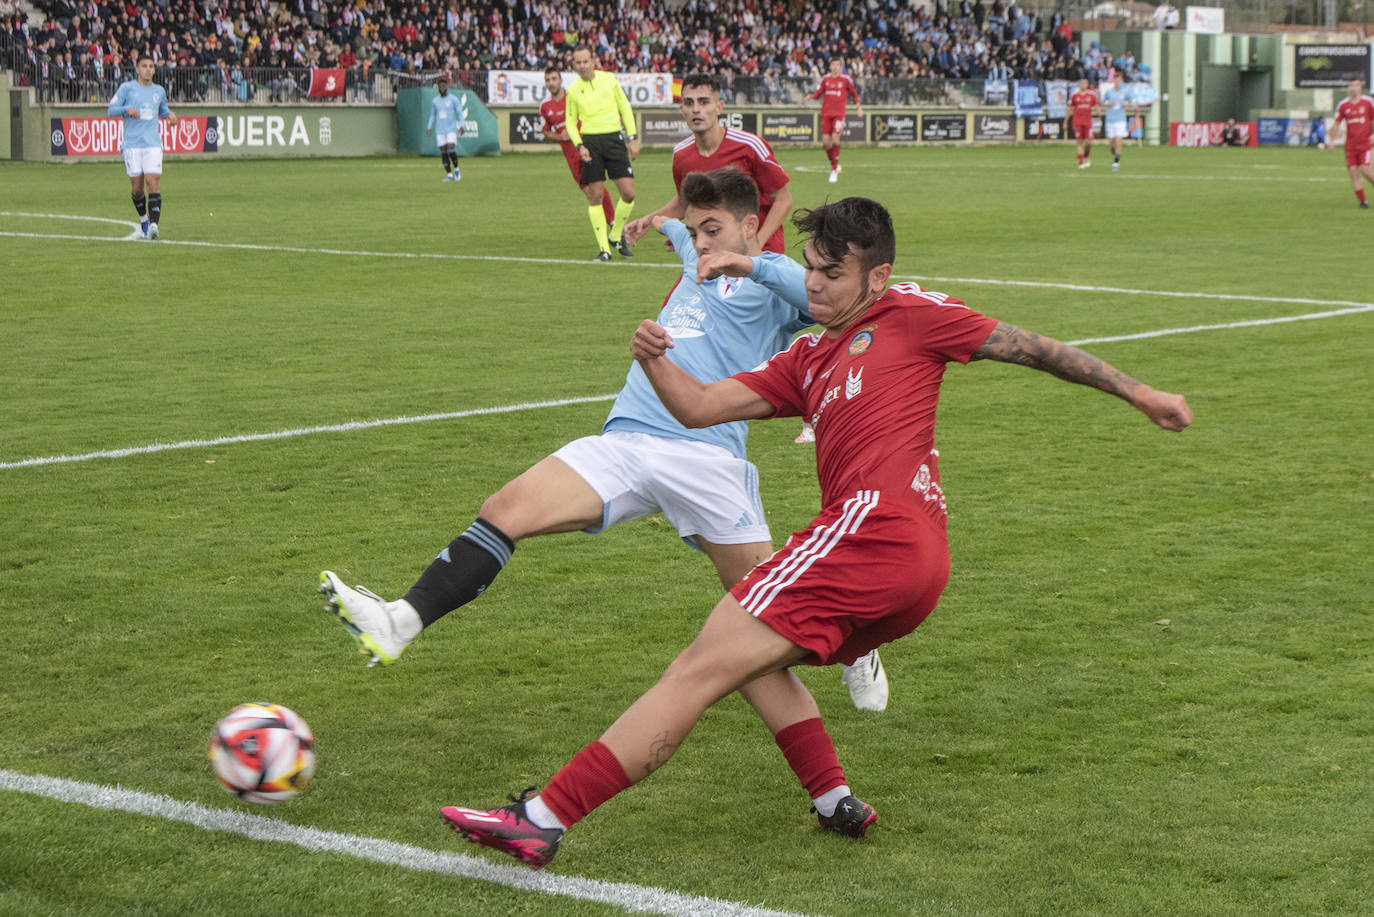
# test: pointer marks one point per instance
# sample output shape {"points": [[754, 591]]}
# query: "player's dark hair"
{"points": [[548, 70], [855, 225], [142, 56], [692, 80], [730, 189]]}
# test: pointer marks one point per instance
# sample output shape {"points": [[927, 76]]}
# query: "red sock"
{"points": [[1360, 194], [834, 154], [607, 207], [589, 779], [1080, 159], [811, 755]]}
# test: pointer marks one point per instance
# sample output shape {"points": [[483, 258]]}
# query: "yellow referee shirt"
{"points": [[600, 105]]}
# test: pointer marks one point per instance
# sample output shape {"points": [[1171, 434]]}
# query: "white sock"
{"points": [[405, 619], [826, 802], [542, 816]]}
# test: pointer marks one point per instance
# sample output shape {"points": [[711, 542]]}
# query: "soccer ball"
{"points": [[262, 753]]}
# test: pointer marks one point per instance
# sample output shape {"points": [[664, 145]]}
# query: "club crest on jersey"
{"points": [[862, 340]]}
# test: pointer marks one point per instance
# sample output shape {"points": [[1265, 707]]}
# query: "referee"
{"points": [[599, 121]]}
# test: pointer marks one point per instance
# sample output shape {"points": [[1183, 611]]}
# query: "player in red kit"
{"points": [[715, 146], [554, 113], [1081, 104], [1357, 111], [834, 92], [872, 565]]}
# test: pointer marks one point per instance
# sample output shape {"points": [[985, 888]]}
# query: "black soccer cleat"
{"points": [[1364, 205], [602, 256], [624, 248], [853, 817]]}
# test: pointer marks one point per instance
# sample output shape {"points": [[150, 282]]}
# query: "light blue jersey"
{"points": [[447, 113], [151, 104], [719, 328], [1114, 100]]}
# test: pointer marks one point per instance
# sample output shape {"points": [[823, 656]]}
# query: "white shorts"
{"points": [[701, 489], [446, 139], [1116, 130], [143, 159]]}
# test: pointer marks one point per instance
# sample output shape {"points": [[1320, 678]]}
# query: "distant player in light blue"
{"points": [[1115, 98], [644, 461], [447, 115], [142, 102]]}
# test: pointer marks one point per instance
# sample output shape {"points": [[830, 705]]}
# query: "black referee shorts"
{"points": [[610, 157]]}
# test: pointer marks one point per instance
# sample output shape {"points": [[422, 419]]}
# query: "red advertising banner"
{"points": [[1208, 133], [326, 83], [103, 136]]}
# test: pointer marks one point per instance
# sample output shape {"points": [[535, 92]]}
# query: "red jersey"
{"points": [[871, 393], [1358, 115], [1083, 104], [744, 151], [836, 91], [555, 115]]}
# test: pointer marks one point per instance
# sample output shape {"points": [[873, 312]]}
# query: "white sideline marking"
{"points": [[1178, 294], [619, 894], [527, 406], [1118, 176], [303, 431]]}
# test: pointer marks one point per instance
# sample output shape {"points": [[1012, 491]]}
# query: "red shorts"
{"points": [[574, 160], [1358, 155], [1083, 130], [832, 124], [864, 573]]}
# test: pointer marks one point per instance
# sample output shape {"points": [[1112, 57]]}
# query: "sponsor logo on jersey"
{"points": [[862, 340], [690, 319], [853, 383]]}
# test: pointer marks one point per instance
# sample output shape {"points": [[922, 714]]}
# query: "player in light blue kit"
{"points": [[643, 461], [447, 115], [142, 102], [1115, 98]]}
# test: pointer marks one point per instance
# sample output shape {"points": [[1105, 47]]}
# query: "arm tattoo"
{"points": [[660, 750], [1010, 344]]}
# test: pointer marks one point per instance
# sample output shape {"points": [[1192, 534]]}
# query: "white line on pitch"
{"points": [[527, 406], [1182, 294], [302, 431], [619, 894], [1128, 291]]}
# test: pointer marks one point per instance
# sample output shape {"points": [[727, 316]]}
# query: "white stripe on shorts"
{"points": [[818, 544]]}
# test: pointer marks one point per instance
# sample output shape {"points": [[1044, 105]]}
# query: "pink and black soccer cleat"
{"points": [[508, 830], [853, 817]]}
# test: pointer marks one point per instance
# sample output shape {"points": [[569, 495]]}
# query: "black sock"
{"points": [[443, 154], [154, 207], [461, 572], [140, 204]]}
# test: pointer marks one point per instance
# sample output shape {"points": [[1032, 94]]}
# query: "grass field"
{"points": [[1147, 689]]}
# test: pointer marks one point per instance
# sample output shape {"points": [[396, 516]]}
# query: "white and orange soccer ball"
{"points": [[262, 753]]}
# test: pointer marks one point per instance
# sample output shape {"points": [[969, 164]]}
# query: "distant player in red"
{"points": [[1082, 104], [554, 114], [835, 91], [1357, 111], [871, 566], [715, 146]]}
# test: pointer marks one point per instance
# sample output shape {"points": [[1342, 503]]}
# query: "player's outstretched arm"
{"points": [[636, 228], [1010, 344], [692, 402]]}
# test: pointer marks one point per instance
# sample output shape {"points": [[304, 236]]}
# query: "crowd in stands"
{"points": [[764, 45]]}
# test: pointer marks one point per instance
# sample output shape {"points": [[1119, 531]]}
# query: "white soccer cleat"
{"points": [[807, 434], [457, 174], [367, 617], [152, 230], [867, 682], [448, 177], [143, 227], [1116, 167], [834, 175]]}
